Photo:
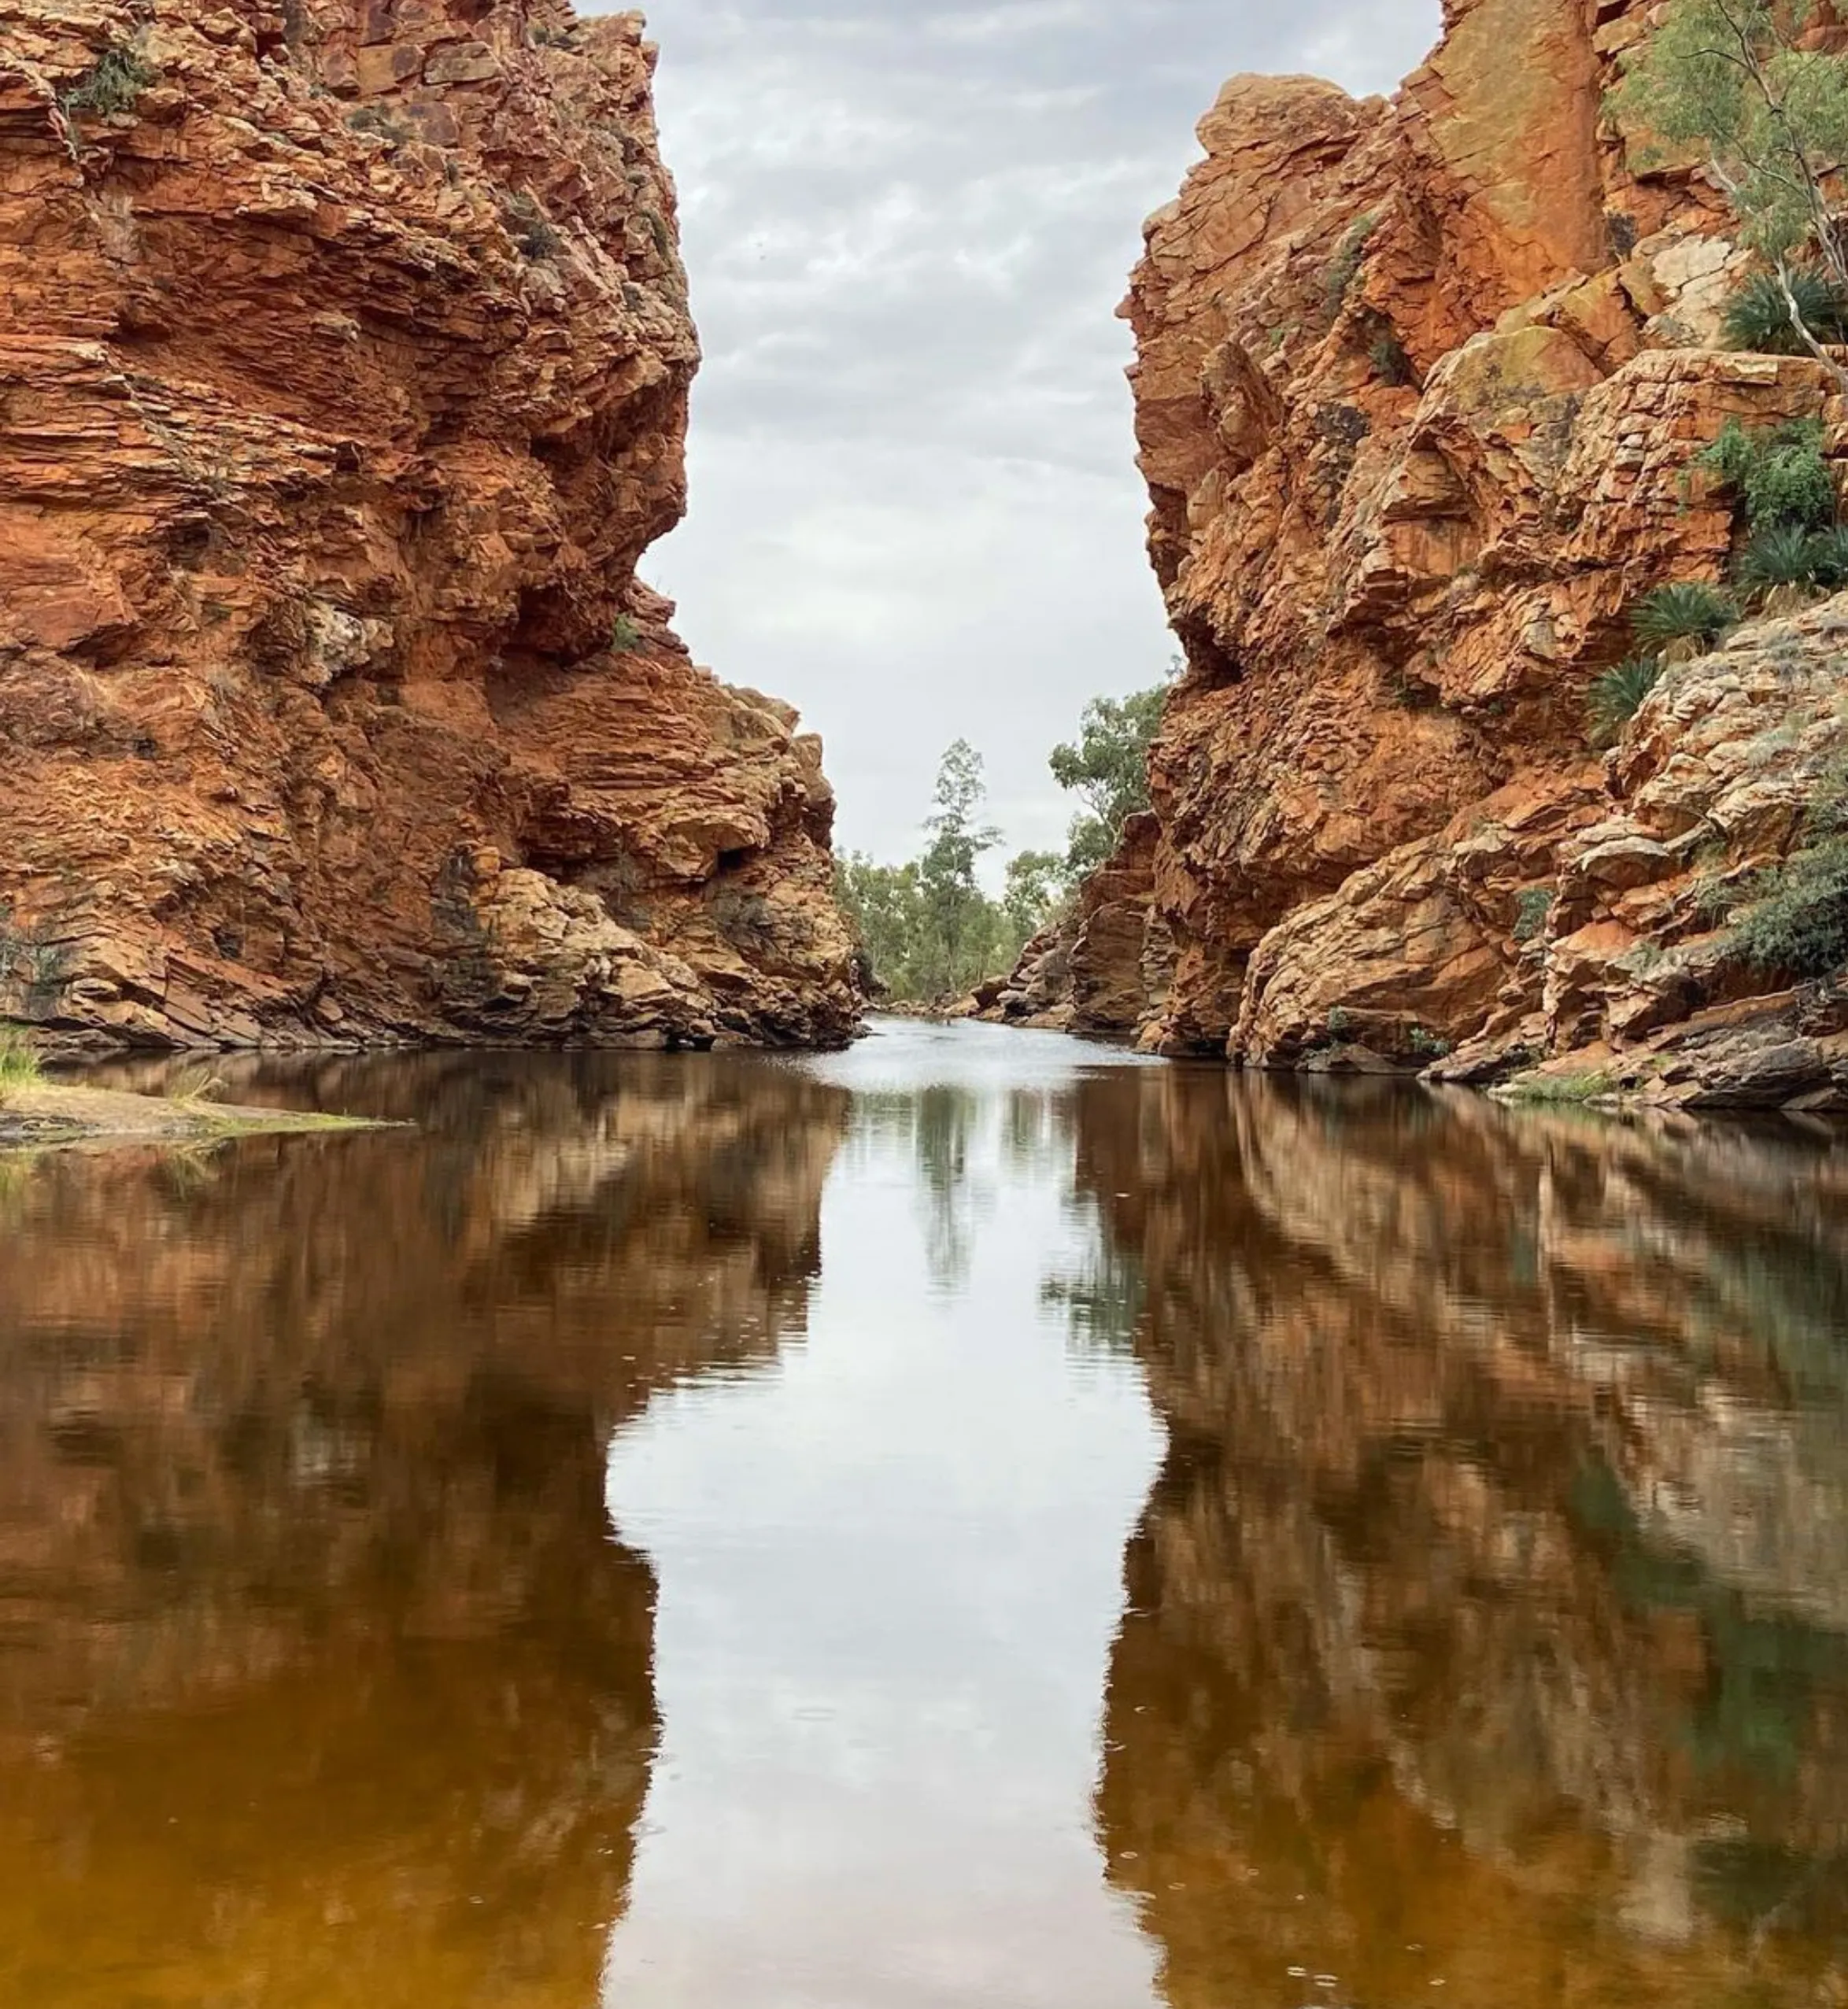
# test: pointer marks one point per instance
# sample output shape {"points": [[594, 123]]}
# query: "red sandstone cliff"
{"points": [[1420, 386], [344, 358]]}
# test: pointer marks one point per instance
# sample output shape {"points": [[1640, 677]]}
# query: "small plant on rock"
{"points": [[1779, 473], [1691, 610], [1532, 911], [111, 84], [19, 1063], [530, 227], [1617, 696], [1758, 315], [1344, 267], [1781, 556], [1390, 364], [625, 637]]}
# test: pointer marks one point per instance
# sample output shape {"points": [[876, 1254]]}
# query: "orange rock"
{"points": [[343, 377], [1420, 391]]}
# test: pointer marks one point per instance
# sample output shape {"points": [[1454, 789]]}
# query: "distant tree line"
{"points": [[928, 929]]}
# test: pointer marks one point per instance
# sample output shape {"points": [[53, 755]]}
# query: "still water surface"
{"points": [[977, 1521]]}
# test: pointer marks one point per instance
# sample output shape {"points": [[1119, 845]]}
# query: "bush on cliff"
{"points": [[111, 85], [1739, 81], [1758, 316], [1793, 919], [1617, 696], [1779, 474], [1690, 611]]}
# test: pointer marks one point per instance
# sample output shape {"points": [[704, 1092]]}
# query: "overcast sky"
{"points": [[915, 509]]}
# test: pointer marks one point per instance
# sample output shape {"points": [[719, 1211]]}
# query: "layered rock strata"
{"points": [[1421, 390], [344, 364]]}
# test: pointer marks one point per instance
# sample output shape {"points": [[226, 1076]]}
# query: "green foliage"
{"points": [[1390, 364], [1778, 473], [19, 1063], [1828, 557], [1758, 314], [1617, 696], [1108, 769], [1797, 920], [1036, 883], [1532, 911], [1727, 77], [1344, 267], [1568, 1088], [1690, 611], [625, 637], [1793, 918], [927, 928], [111, 85], [1780, 554]]}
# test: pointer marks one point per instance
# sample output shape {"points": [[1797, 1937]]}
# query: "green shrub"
{"points": [[1343, 268], [1690, 611], [1758, 316], [1795, 919], [111, 84], [1617, 696], [1777, 472], [1390, 364], [1533, 909], [625, 637], [18, 1064], [1780, 554], [1828, 556]]}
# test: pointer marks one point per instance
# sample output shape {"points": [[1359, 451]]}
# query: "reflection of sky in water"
{"points": [[890, 1576]]}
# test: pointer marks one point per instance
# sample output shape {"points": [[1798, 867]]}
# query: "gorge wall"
{"points": [[344, 362], [1420, 389]]}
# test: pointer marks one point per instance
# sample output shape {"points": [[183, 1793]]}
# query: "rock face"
{"points": [[344, 363], [1420, 389]]}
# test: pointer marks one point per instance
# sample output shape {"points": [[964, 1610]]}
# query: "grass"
{"points": [[1570, 1089], [1690, 611], [19, 1063], [1758, 316], [1616, 697], [1344, 267]]}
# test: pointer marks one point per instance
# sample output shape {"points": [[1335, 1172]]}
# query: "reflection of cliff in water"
{"points": [[1489, 1624], [324, 1681]]}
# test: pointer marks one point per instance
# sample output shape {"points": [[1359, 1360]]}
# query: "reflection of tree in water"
{"points": [[1489, 1620], [936, 1129], [1101, 1295]]}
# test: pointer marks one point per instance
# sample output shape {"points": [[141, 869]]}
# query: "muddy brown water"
{"points": [[977, 1521]]}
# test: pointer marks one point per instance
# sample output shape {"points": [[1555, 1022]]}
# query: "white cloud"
{"points": [[915, 510]]}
